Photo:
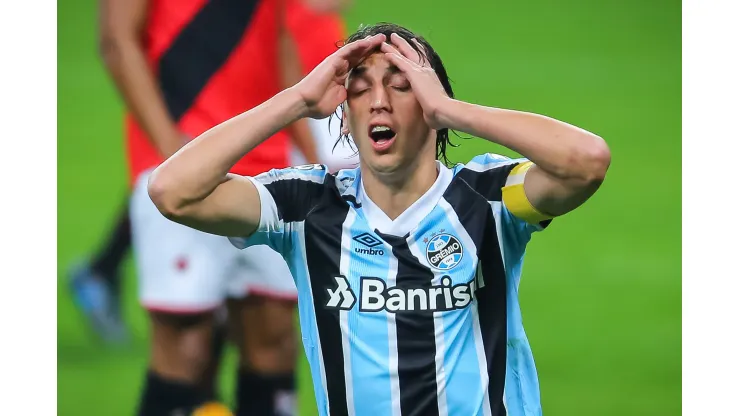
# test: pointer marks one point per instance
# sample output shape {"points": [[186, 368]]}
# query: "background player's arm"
{"points": [[291, 73], [193, 186], [120, 43]]}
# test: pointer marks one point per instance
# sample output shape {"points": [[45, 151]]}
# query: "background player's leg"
{"points": [[96, 285], [267, 356], [181, 283], [219, 339], [180, 355], [108, 261], [263, 323]]}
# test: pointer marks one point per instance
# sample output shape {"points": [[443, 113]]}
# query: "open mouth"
{"points": [[382, 137]]}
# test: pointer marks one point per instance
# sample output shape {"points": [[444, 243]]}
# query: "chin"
{"points": [[386, 164]]}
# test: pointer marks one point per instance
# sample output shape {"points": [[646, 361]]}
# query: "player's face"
{"points": [[384, 117]]}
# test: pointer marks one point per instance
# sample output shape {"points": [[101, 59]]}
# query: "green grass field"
{"points": [[601, 291]]}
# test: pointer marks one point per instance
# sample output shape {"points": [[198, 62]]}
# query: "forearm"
{"points": [[195, 171], [291, 74], [134, 80], [562, 150]]}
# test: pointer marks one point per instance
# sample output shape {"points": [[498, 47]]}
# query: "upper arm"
{"points": [[121, 18], [499, 180], [232, 209], [553, 196], [527, 191], [291, 69], [286, 197]]}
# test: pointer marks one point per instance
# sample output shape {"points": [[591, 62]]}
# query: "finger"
{"points": [[401, 62], [359, 48], [405, 48], [390, 49], [423, 52]]}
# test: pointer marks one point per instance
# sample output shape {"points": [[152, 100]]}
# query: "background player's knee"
{"points": [[269, 335], [181, 345]]}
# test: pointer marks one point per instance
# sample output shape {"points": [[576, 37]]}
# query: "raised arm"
{"points": [[193, 186], [120, 43], [569, 163]]}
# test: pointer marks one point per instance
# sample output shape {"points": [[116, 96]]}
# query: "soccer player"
{"points": [[407, 270], [183, 67]]}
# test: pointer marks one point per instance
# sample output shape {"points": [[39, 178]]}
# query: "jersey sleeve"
{"points": [[286, 198], [500, 180]]}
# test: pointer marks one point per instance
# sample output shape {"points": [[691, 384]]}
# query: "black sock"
{"points": [[162, 396], [109, 259], [265, 395], [218, 345]]}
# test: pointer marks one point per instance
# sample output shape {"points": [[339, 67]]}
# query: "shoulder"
{"points": [[488, 173], [487, 162], [304, 173]]}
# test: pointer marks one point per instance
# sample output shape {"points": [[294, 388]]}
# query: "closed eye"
{"points": [[356, 92]]}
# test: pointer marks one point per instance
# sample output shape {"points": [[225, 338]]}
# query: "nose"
{"points": [[380, 100]]}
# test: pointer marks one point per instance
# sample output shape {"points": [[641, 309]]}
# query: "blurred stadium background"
{"points": [[601, 290]]}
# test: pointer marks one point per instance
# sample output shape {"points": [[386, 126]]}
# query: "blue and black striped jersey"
{"points": [[413, 316]]}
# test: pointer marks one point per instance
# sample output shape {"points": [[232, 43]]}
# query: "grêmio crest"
{"points": [[443, 250]]}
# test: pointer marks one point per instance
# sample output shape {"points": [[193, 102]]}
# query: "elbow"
{"points": [[595, 161], [110, 49], [163, 194]]}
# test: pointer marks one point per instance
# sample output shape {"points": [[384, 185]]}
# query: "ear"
{"points": [[345, 123]]}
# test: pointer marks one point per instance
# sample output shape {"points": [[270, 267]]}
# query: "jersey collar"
{"points": [[351, 189]]}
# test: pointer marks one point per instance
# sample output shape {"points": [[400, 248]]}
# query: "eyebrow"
{"points": [[360, 71]]}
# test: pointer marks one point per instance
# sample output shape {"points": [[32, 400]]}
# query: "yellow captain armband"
{"points": [[516, 200]]}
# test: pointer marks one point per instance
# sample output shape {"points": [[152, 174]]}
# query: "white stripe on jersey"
{"points": [[311, 175], [478, 167], [393, 344], [439, 332], [344, 258]]}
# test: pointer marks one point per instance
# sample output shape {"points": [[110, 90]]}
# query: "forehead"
{"points": [[375, 63]]}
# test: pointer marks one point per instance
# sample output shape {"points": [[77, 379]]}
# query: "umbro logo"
{"points": [[369, 241]]}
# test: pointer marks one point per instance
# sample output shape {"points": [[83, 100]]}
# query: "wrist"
{"points": [[450, 114], [296, 107]]}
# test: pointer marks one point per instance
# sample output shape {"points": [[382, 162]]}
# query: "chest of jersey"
{"points": [[433, 268]]}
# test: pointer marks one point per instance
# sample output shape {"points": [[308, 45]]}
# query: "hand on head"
{"points": [[323, 89], [423, 79]]}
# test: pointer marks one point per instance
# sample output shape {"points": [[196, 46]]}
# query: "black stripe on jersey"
{"points": [[200, 49], [417, 371], [323, 236], [489, 182], [477, 218], [295, 198]]}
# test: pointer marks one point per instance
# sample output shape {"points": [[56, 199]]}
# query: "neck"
{"points": [[394, 192]]}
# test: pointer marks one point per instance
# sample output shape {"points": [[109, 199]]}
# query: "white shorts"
{"points": [[182, 270], [344, 156]]}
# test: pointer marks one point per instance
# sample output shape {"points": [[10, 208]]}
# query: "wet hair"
{"points": [[443, 135]]}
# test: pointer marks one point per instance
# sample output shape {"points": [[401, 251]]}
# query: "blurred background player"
{"points": [[182, 67], [317, 26]]}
